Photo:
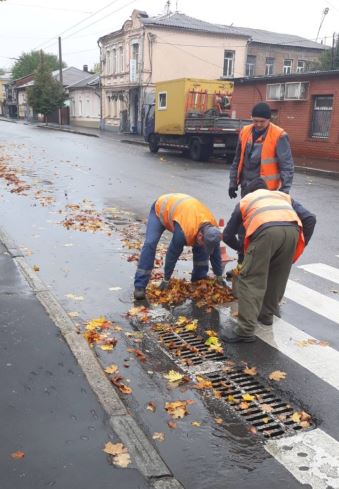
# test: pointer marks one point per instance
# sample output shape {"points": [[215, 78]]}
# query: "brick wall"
{"points": [[296, 116]]}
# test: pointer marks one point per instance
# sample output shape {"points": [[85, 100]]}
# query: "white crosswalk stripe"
{"points": [[316, 302], [322, 361], [323, 271]]}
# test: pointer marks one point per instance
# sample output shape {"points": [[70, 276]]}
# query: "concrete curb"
{"points": [[8, 120], [40, 126], [131, 141], [145, 456], [317, 172]]}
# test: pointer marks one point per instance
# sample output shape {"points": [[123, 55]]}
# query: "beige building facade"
{"points": [[147, 50]]}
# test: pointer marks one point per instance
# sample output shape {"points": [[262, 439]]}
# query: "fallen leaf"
{"points": [[253, 430], [114, 449], [36, 268], [296, 417], [173, 376], [18, 454], [122, 460], [138, 353], [250, 371], [266, 408], [158, 436], [73, 314], [266, 419], [172, 424], [277, 375], [196, 423], [106, 347], [202, 383], [74, 297], [177, 409], [219, 420], [244, 405], [151, 406], [112, 369], [248, 397]]}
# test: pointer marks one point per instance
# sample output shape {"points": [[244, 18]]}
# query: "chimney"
{"points": [[85, 68]]}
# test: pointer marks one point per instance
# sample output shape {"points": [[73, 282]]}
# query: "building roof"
{"points": [[182, 21], [91, 81], [70, 76], [292, 77], [268, 37]]}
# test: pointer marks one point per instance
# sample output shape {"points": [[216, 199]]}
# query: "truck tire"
{"points": [[199, 151], [153, 143]]}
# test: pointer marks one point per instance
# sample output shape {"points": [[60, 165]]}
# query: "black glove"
{"points": [[232, 192], [164, 285], [220, 281]]}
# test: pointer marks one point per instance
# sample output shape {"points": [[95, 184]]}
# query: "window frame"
{"points": [[230, 62], [287, 69], [315, 110], [304, 66], [250, 66], [267, 64], [162, 107]]}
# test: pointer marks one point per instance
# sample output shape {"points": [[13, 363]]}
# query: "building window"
{"points": [[114, 61], [250, 65], [162, 100], [288, 66], [269, 66], [121, 60], [321, 117], [228, 63], [275, 91], [135, 55], [301, 67]]}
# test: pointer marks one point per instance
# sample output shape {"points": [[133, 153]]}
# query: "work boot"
{"points": [[139, 293], [228, 335]]}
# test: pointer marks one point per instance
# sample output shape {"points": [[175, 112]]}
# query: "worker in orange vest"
{"points": [[277, 228], [192, 224], [264, 151]]}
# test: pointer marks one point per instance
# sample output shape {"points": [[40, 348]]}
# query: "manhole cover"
{"points": [[257, 404]]}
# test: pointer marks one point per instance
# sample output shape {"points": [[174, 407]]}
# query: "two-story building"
{"points": [[4, 80], [151, 49]]}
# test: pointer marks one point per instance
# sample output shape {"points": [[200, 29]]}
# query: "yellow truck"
{"points": [[193, 116]]}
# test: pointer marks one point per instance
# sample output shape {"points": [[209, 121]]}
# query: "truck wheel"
{"points": [[196, 150], [153, 143]]}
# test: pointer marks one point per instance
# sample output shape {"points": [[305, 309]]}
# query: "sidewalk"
{"points": [[48, 409]]}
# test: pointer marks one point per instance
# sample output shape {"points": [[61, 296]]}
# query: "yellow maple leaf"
{"points": [[202, 383], [192, 326], [196, 423], [231, 398], [213, 343], [106, 347], [248, 397], [296, 417], [112, 369], [181, 320], [173, 376], [95, 323], [277, 375]]}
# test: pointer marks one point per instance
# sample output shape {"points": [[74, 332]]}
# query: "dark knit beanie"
{"points": [[261, 110]]}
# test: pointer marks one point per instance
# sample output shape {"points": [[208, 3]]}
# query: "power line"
{"points": [[45, 7], [75, 25]]}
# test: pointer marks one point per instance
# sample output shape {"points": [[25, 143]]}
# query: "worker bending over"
{"points": [[192, 224], [277, 228]]}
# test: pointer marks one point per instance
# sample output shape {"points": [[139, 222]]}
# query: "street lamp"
{"points": [[325, 12]]}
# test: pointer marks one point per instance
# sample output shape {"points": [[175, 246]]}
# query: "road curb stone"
{"points": [[145, 455]]}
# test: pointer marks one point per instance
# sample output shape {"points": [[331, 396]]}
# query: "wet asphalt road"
{"points": [[110, 174]]}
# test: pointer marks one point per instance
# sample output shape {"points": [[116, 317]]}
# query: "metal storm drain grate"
{"points": [[188, 347], [259, 406]]}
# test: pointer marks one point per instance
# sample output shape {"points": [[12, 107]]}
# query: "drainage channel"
{"points": [[253, 401]]}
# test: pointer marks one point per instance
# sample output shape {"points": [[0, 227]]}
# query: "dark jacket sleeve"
{"points": [[231, 231], [215, 260], [234, 166], [308, 219], [286, 164], [174, 250]]}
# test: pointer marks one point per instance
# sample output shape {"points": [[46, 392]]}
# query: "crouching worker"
{"points": [[192, 224], [277, 228]]}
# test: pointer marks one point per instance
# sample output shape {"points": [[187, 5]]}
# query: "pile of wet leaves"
{"points": [[206, 293]]}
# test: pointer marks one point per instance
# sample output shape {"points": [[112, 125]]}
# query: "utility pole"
{"points": [[60, 75], [332, 51]]}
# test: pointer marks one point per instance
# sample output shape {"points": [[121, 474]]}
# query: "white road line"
{"points": [[322, 270], [316, 302], [322, 361], [311, 457]]}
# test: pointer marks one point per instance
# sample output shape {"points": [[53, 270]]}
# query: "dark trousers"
{"points": [[264, 274]]}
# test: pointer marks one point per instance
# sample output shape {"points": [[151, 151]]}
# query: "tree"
{"points": [[28, 63], [96, 68], [47, 94], [2, 71], [329, 59]]}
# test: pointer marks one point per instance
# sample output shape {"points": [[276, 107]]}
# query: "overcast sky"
{"points": [[35, 24]]}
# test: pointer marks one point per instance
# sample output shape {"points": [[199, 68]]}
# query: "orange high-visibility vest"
{"points": [[264, 206], [186, 211], [269, 168]]}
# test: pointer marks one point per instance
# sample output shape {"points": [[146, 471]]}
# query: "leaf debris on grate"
{"points": [[256, 403]]}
